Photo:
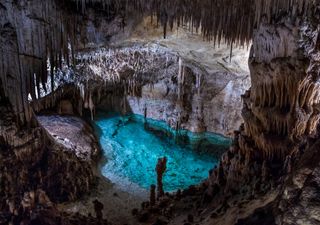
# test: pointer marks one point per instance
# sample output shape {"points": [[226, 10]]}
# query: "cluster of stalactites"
{"points": [[231, 20], [37, 37], [129, 68], [285, 95], [279, 111]]}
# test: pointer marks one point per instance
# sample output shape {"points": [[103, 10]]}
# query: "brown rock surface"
{"points": [[73, 133]]}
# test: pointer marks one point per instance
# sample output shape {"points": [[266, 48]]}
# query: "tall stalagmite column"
{"points": [[161, 169]]}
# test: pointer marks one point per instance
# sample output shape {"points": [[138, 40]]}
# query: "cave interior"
{"points": [[159, 112]]}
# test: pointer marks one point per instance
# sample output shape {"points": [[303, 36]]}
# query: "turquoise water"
{"points": [[132, 146]]}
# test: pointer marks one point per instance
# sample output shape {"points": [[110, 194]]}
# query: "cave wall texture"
{"points": [[29, 158], [156, 82], [280, 110]]}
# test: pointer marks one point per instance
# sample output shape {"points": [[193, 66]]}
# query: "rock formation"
{"points": [[72, 133], [29, 158], [155, 82]]}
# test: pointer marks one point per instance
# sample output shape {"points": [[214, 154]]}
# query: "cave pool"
{"points": [[132, 144]]}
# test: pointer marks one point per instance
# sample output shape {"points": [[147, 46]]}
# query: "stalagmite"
{"points": [[152, 195], [98, 207], [161, 169]]}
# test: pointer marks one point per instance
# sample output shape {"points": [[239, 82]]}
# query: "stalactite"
{"points": [[181, 78], [44, 38], [198, 82], [218, 19], [91, 105]]}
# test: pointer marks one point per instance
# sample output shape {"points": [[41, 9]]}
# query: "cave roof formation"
{"points": [[29, 40]]}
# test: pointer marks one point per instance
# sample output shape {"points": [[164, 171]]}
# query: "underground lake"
{"points": [[132, 145]]}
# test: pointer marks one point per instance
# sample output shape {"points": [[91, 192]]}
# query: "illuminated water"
{"points": [[132, 146]]}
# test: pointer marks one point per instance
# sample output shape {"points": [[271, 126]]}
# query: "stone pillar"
{"points": [[152, 195], [161, 169]]}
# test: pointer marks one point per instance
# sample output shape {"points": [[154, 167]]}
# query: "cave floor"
{"points": [[118, 204]]}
